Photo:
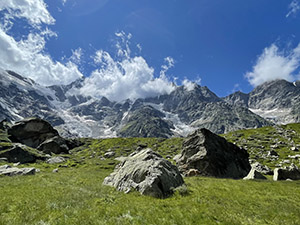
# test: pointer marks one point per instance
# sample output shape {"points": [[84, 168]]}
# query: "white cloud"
{"points": [[125, 77], [190, 85], [27, 56], [130, 78], [294, 7], [275, 64], [35, 11], [76, 56]]}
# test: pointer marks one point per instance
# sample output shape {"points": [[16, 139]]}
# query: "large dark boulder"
{"points": [[31, 132], [20, 153], [146, 172], [212, 155], [292, 172], [55, 145]]}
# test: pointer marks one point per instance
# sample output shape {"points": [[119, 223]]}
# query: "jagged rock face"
{"points": [[221, 118], [21, 97], [146, 172], [31, 132], [73, 114], [213, 156], [238, 98], [277, 101], [147, 122]]}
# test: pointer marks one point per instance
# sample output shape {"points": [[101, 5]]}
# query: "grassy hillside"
{"points": [[259, 142], [75, 195]]}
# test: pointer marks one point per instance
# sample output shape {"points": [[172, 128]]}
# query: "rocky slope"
{"points": [[277, 101], [73, 114]]}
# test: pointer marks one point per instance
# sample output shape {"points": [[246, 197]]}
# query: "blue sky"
{"points": [[226, 45]]}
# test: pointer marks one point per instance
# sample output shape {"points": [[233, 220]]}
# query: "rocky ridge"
{"points": [[277, 101], [73, 114]]}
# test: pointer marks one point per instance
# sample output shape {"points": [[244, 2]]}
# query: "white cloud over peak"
{"points": [[125, 76], [190, 85], [35, 11], [275, 64], [129, 78], [27, 56], [294, 8]]}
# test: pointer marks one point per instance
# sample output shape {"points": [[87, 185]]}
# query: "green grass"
{"points": [[77, 196], [259, 141], [125, 146]]}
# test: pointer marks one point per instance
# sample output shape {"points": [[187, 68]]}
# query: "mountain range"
{"points": [[175, 114]]}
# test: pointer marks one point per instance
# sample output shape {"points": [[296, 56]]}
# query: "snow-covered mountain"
{"points": [[174, 114]]}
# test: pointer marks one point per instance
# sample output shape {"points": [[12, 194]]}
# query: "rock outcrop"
{"points": [[292, 172], [31, 132], [12, 171], [213, 156], [146, 172], [57, 159], [20, 153], [254, 174], [262, 168], [55, 145], [39, 134]]}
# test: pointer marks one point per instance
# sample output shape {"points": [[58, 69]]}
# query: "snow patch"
{"points": [[280, 116], [181, 129]]}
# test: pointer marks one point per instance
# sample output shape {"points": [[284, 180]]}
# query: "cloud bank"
{"points": [[275, 64], [27, 56], [126, 77]]}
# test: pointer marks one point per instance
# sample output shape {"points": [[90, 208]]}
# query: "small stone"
{"points": [[57, 159], [272, 153], [55, 170], [109, 154], [295, 149]]}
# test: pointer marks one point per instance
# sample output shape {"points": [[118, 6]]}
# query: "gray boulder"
{"points": [[109, 154], [292, 172], [57, 159], [12, 171], [213, 156], [147, 172], [55, 145], [254, 174], [31, 132]]}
